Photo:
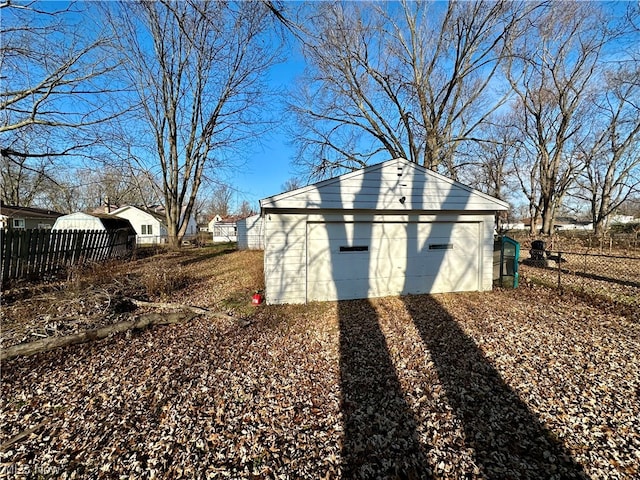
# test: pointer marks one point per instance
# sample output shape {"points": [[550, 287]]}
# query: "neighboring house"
{"points": [[121, 235], [192, 229], [569, 223], [110, 208], [527, 224], [192, 226], [586, 225], [560, 224], [212, 222], [224, 229], [394, 228], [512, 226], [251, 233], [149, 225], [621, 219], [26, 218], [564, 223]]}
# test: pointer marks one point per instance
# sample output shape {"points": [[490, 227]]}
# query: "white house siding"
{"points": [[400, 258], [138, 218], [513, 226], [224, 232], [192, 228], [439, 238], [251, 233], [382, 189]]}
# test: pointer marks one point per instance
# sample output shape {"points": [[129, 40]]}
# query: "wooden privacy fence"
{"points": [[34, 253]]}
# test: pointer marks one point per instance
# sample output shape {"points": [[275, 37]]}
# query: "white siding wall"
{"points": [[486, 252], [393, 191], [192, 228], [286, 248], [285, 258], [382, 188], [224, 232], [251, 233]]}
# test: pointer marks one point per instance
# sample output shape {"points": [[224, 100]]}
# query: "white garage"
{"points": [[393, 228]]}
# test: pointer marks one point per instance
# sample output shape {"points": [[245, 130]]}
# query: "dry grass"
{"points": [[507, 384], [217, 277]]}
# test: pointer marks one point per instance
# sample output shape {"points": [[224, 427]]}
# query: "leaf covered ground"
{"points": [[506, 384]]}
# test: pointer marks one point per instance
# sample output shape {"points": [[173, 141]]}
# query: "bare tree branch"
{"points": [[409, 80], [552, 70], [196, 68]]}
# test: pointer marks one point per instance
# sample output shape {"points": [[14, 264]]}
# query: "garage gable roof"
{"points": [[398, 185]]}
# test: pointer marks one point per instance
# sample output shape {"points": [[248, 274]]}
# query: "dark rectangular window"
{"points": [[355, 248], [440, 246]]}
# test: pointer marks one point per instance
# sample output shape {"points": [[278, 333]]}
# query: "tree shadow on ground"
{"points": [[507, 438], [380, 431], [217, 252], [601, 278]]}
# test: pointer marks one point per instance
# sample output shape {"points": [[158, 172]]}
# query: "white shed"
{"points": [[97, 221], [251, 233], [393, 228]]}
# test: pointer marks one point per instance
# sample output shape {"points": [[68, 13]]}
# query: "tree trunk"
{"points": [[51, 343], [548, 215], [173, 239], [533, 214], [599, 226], [547, 222]]}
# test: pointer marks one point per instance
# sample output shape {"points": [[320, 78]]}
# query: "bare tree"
{"points": [[492, 163], [552, 69], [22, 176], [221, 199], [196, 68], [54, 82], [413, 80], [612, 164], [245, 210], [290, 184]]}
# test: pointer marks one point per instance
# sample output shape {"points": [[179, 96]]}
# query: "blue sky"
{"points": [[270, 165], [267, 163], [264, 164]]}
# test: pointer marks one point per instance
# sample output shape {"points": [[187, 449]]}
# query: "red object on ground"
{"points": [[257, 299]]}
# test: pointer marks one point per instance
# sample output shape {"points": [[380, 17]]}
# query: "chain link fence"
{"points": [[621, 244], [613, 278], [579, 267]]}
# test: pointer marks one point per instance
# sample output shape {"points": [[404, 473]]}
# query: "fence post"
{"points": [[34, 252], [6, 237], [559, 268]]}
